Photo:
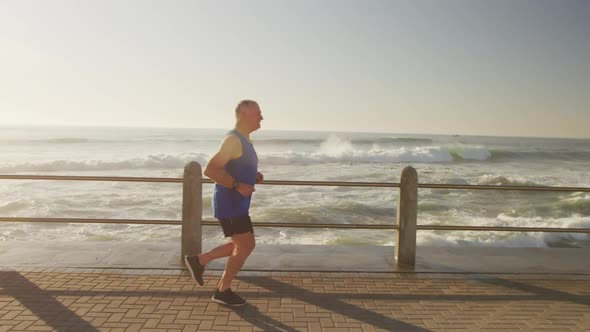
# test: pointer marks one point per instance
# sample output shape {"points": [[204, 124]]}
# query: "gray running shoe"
{"points": [[195, 268], [228, 297]]}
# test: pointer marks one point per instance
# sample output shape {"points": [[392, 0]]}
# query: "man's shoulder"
{"points": [[232, 137], [232, 144]]}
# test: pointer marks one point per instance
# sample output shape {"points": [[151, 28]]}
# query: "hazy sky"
{"points": [[501, 67]]}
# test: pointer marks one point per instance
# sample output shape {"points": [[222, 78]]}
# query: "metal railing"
{"points": [[405, 249]]}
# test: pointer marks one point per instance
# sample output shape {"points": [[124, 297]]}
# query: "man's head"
{"points": [[248, 115]]}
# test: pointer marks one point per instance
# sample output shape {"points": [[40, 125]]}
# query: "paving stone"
{"points": [[44, 299]]}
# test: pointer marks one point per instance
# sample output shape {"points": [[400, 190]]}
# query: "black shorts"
{"points": [[236, 225]]}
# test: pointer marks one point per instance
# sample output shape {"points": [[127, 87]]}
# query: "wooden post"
{"points": [[407, 212], [192, 210]]}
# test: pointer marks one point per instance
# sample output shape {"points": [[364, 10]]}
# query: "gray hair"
{"points": [[244, 104]]}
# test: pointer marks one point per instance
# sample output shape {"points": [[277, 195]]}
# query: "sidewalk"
{"points": [[68, 299]]}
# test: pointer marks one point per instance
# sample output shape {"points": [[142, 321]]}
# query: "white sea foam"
{"points": [[470, 152], [156, 161], [510, 239], [277, 235], [335, 149], [346, 153]]}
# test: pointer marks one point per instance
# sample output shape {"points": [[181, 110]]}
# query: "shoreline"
{"points": [[313, 258]]}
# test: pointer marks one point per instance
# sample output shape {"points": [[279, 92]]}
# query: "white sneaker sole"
{"points": [[188, 266], [233, 305]]}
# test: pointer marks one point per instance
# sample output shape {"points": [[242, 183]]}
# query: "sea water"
{"points": [[296, 155]]}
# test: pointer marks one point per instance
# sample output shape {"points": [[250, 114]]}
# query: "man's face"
{"points": [[253, 116]]}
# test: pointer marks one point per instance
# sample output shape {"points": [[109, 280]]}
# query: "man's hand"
{"points": [[245, 189], [259, 177]]}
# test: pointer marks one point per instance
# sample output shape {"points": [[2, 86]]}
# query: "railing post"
{"points": [[192, 210], [407, 212]]}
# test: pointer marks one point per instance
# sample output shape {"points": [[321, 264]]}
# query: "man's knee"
{"points": [[250, 247], [245, 249], [244, 244]]}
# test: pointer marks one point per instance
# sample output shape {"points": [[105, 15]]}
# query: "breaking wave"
{"points": [[158, 161]]}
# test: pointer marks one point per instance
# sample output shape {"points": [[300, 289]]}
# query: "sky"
{"points": [[469, 67]]}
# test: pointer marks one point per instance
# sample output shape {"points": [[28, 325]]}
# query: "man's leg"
{"points": [[244, 245], [223, 250], [196, 263]]}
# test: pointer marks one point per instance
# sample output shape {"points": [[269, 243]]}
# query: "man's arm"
{"points": [[230, 149]]}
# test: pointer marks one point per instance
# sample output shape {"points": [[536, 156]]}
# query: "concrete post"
{"points": [[407, 212], [192, 210]]}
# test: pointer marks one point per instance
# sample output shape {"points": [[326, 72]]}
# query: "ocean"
{"points": [[295, 155]]}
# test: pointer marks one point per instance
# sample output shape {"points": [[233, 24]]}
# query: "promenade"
{"points": [[142, 287], [146, 289], [73, 299]]}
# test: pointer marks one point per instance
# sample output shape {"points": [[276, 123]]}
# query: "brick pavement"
{"points": [[54, 299]]}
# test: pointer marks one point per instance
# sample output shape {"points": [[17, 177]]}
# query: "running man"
{"points": [[234, 169]]}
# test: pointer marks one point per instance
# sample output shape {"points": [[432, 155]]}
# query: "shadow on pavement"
{"points": [[42, 303]]}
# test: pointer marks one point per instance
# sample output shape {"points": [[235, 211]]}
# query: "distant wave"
{"points": [[433, 155], [504, 155], [399, 140], [469, 153], [62, 140], [345, 154], [488, 180], [578, 203], [286, 141], [330, 150], [315, 141], [335, 149], [160, 161], [74, 140], [328, 211]]}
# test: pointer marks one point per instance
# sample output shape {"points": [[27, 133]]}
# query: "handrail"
{"points": [[92, 221], [501, 229], [192, 221], [511, 187], [206, 222], [179, 180], [212, 222], [299, 183], [93, 178]]}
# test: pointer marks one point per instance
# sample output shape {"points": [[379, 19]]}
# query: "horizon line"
{"points": [[290, 130]]}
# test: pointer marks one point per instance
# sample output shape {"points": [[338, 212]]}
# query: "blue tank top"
{"points": [[227, 202]]}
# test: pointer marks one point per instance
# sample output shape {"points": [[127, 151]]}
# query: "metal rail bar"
{"points": [[333, 184], [91, 221], [207, 222], [487, 187], [179, 180], [210, 222], [502, 229], [91, 178], [300, 183]]}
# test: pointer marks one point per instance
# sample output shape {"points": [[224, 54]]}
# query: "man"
{"points": [[234, 169]]}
